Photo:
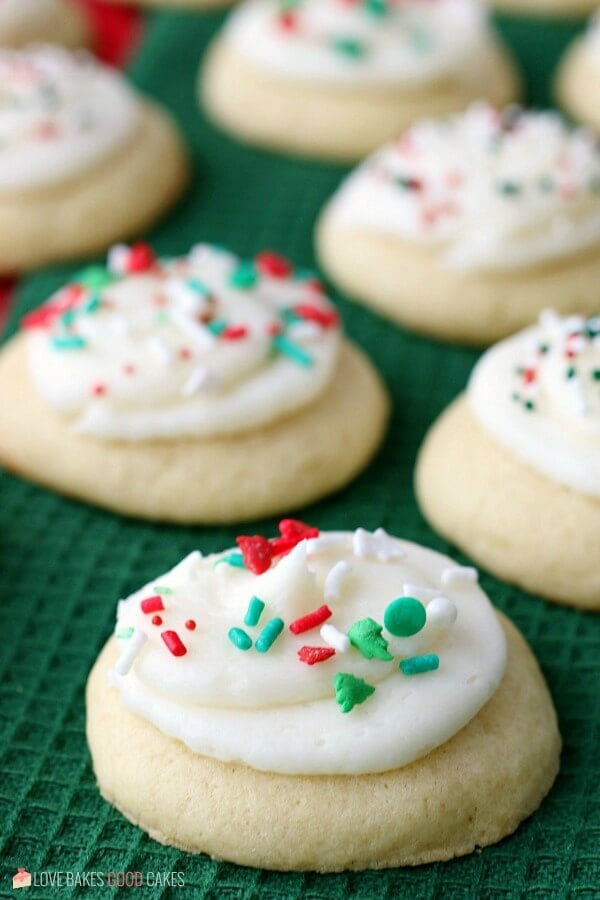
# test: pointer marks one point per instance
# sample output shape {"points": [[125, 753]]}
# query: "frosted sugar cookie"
{"points": [[84, 160], [546, 8], [578, 85], [199, 389], [465, 228], [320, 701], [511, 471], [334, 80], [42, 21]]}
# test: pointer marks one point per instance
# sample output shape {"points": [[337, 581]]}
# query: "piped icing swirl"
{"points": [[334, 653], [538, 394], [487, 190], [204, 345], [61, 113], [378, 42]]}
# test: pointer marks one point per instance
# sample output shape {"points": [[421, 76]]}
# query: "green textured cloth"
{"points": [[64, 565]]}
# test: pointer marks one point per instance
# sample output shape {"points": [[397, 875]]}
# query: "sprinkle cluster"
{"points": [[404, 616]]}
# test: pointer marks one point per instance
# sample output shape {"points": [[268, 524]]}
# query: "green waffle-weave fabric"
{"points": [[63, 564]]}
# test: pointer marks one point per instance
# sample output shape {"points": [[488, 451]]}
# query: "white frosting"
{"points": [[179, 350], [61, 113], [271, 711], [412, 42], [488, 191], [538, 394], [19, 13]]}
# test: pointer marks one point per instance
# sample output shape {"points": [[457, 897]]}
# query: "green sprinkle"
{"points": [[239, 638], [365, 635], [125, 632], [95, 277], [269, 635], [289, 317], [254, 612], [377, 8], [529, 405], [350, 691], [293, 351], [543, 348], [232, 559], [595, 374], [516, 397], [416, 665], [244, 276], [509, 188], [92, 305], [217, 327], [571, 372], [68, 317], [69, 342], [404, 616], [349, 47], [161, 589], [198, 287], [546, 184]]}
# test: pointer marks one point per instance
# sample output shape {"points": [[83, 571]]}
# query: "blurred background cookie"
{"points": [[578, 82], [43, 22]]}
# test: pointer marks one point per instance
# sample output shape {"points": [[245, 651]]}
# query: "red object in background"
{"points": [[117, 30]]}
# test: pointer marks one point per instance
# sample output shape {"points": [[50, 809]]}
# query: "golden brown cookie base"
{"points": [[470, 792], [509, 518], [273, 470]]}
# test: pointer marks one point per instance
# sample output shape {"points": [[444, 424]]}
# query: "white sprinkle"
{"points": [[333, 581], [459, 573], [200, 378], [441, 612], [160, 350], [189, 299], [308, 331], [419, 592], [334, 638], [130, 651], [117, 259], [198, 332], [377, 544]]}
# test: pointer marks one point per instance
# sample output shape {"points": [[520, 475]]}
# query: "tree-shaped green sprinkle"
{"points": [[350, 691], [365, 635]]}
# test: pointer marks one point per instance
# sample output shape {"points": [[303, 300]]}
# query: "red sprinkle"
{"points": [[98, 390], [190, 625], [141, 258], [326, 318], [312, 655], [174, 643], [234, 333], [257, 552], [312, 620], [45, 315], [156, 620], [292, 532], [152, 604], [287, 21], [269, 263]]}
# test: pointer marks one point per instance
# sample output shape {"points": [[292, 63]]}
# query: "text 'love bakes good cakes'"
{"points": [[320, 701], [84, 159], [511, 471], [334, 80], [578, 86], [202, 388], [25, 22], [465, 228]]}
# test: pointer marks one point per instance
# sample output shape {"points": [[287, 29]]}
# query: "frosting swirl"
{"points": [[60, 114], [488, 190], [276, 656], [204, 345], [538, 393], [382, 42]]}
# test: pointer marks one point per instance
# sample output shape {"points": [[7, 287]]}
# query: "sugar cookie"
{"points": [[466, 228], [417, 740], [84, 160], [511, 472], [198, 389], [25, 22], [578, 84], [332, 80]]}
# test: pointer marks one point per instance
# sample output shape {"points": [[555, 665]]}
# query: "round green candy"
{"points": [[404, 616]]}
